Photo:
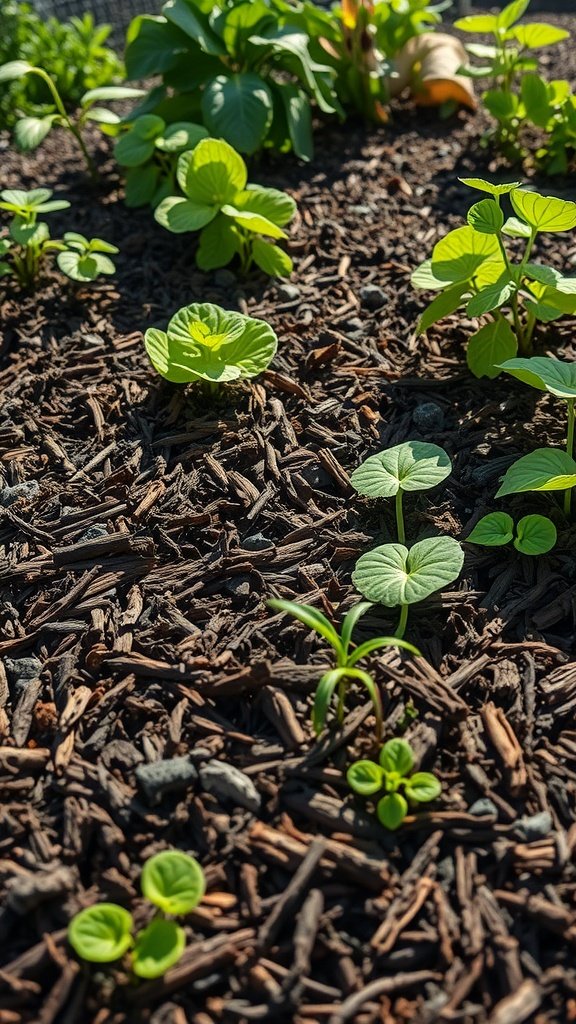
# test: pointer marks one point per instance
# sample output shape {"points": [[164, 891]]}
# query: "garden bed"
{"points": [[143, 528]]}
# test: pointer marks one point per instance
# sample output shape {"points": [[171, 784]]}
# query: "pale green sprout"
{"points": [[149, 149], [535, 534], [174, 882], [85, 259], [471, 267], [338, 679], [393, 773]]}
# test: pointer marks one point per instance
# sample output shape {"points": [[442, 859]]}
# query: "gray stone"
{"points": [[483, 806], [161, 777], [27, 489], [288, 292], [22, 670], [428, 416], [94, 532], [26, 892], [373, 297], [534, 826], [228, 783], [256, 542]]}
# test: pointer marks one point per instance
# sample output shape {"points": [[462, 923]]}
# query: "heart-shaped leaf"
{"points": [[545, 374], [411, 466], [422, 787], [535, 535], [238, 108], [365, 777], [158, 947], [181, 215], [391, 811], [493, 530], [173, 881], [180, 136], [489, 346], [425, 278], [393, 575], [544, 213], [546, 469], [458, 255], [212, 173], [486, 217], [31, 131], [397, 756], [101, 933], [537, 34]]}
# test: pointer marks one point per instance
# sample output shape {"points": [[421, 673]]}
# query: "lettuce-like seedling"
{"points": [[546, 469], [472, 268], [393, 773], [551, 108], [31, 131], [233, 217], [206, 343], [149, 149], [535, 534], [172, 881], [85, 259], [338, 679]]}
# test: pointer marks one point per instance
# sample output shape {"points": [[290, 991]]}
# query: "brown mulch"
{"points": [[146, 532]]}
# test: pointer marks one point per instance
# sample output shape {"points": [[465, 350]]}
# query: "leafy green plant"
{"points": [[504, 61], [535, 534], [234, 218], [31, 131], [345, 672], [394, 772], [149, 149], [23, 252], [173, 882], [551, 108], [393, 574], [546, 469], [472, 267], [207, 344], [244, 68]]}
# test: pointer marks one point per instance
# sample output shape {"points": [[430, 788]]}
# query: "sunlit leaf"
{"points": [[391, 810], [491, 344], [157, 948], [173, 881], [493, 530], [535, 535], [397, 756], [395, 575], [545, 213], [545, 469], [545, 374], [422, 787], [365, 777], [101, 933], [411, 466]]}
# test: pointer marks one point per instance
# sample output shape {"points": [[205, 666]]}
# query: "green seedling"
{"points": [[149, 149], [551, 108], [546, 469], [338, 679], [535, 534], [23, 252], [394, 772], [504, 61], [174, 883], [234, 218], [472, 268], [207, 344], [31, 131], [393, 574]]}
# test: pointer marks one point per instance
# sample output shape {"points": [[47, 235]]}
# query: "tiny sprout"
{"points": [[338, 679], [396, 763], [535, 534]]}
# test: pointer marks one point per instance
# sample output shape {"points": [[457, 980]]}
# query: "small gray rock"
{"points": [[483, 806], [239, 586], [161, 777], [26, 892], [27, 489], [534, 826], [22, 670], [288, 292], [256, 542], [428, 417], [94, 532], [224, 278], [228, 783], [373, 297]]}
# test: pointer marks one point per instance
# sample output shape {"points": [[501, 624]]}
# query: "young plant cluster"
{"points": [[393, 777], [173, 882], [487, 268]]}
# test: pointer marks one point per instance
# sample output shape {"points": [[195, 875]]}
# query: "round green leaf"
{"points": [[29, 234], [489, 346], [535, 535], [131, 149], [182, 215], [239, 109], [365, 777], [422, 787], [545, 213], [101, 933], [212, 173], [493, 530], [173, 881], [77, 266], [182, 135], [31, 131], [545, 374], [392, 810], [546, 469], [411, 466], [393, 575], [158, 947], [425, 278], [458, 255], [397, 756], [488, 186], [486, 217], [270, 203]]}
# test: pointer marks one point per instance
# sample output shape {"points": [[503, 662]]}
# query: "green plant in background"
{"points": [[338, 679], [472, 267], [551, 107], [207, 344], [31, 131], [174, 883], [535, 534], [392, 574], [546, 469], [394, 772], [73, 53], [243, 68], [23, 252], [505, 60], [233, 217], [149, 149]]}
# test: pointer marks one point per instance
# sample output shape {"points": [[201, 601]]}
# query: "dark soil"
{"points": [[134, 567]]}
